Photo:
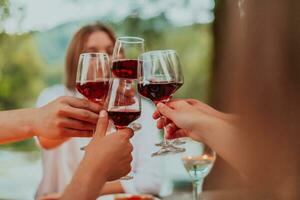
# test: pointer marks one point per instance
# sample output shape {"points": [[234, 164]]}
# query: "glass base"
{"points": [[168, 150], [176, 142]]}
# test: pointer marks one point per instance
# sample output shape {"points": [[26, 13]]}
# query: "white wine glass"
{"points": [[198, 160]]}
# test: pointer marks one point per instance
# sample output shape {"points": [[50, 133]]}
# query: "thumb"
{"points": [[102, 124], [165, 110]]}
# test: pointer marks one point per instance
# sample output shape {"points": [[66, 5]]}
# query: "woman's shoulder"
{"points": [[51, 93]]}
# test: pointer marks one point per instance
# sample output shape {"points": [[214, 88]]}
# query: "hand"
{"points": [[66, 117], [188, 118], [107, 158], [113, 152], [125, 92]]}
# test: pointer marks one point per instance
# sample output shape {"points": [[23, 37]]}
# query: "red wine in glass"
{"points": [[158, 91], [126, 68], [122, 118], [95, 91]]}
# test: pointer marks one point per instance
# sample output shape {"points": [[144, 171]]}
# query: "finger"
{"points": [[79, 114], [127, 132], [170, 131], [166, 111], [77, 124], [102, 124], [68, 132], [125, 88], [125, 101], [156, 114], [171, 128], [83, 104], [162, 122], [204, 107]]}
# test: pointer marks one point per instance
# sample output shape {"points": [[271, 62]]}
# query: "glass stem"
{"points": [[165, 142], [196, 189]]}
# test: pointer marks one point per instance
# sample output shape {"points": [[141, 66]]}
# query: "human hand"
{"points": [[125, 92], [66, 117], [106, 158], [187, 118], [113, 151]]}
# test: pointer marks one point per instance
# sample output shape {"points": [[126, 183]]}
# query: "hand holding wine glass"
{"points": [[107, 158], [196, 120], [121, 109], [160, 75]]}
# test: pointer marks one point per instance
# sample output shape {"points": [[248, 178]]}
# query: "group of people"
{"points": [[260, 141]]}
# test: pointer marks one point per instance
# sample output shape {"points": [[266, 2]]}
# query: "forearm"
{"points": [[16, 125], [86, 183], [238, 148], [51, 143]]}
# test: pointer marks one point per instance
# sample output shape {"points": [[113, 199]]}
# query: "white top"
{"points": [[60, 163]]}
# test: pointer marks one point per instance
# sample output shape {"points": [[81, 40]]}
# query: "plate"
{"points": [[112, 196]]}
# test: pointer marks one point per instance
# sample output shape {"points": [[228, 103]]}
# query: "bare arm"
{"points": [[61, 118], [16, 125], [51, 143]]}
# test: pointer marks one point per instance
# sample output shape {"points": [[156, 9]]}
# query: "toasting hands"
{"points": [[189, 118]]}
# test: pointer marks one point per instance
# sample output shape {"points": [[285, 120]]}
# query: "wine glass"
{"points": [[93, 76], [173, 59], [125, 56], [125, 60], [124, 104], [158, 81], [198, 159]]}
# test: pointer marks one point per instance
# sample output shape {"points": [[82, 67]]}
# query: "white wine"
{"points": [[198, 166]]}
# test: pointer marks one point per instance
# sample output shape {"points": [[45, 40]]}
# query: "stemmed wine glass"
{"points": [[125, 56], [125, 60], [158, 81], [93, 77], [198, 159], [123, 104], [173, 59]]}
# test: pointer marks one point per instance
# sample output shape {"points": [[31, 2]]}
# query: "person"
{"points": [[259, 81], [113, 152], [62, 156]]}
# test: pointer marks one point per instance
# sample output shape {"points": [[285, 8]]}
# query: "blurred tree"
{"points": [[4, 12], [21, 71]]}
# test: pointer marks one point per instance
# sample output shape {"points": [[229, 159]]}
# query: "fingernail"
{"points": [[102, 113], [160, 105]]}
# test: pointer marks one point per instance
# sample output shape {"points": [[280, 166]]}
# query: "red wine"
{"points": [[125, 69], [122, 118], [94, 91], [158, 91]]}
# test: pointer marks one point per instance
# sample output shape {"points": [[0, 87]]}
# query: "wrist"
{"points": [[30, 126], [86, 182]]}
